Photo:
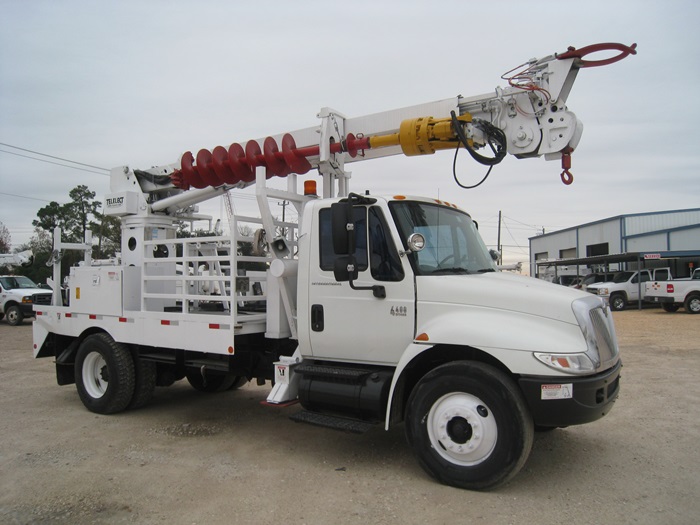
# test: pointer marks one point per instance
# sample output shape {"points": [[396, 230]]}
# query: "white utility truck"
{"points": [[19, 294], [672, 295], [371, 309]]}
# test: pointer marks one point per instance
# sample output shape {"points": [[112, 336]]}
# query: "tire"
{"points": [[670, 307], [238, 382], [489, 430], [692, 304], [617, 302], [144, 384], [14, 315], [104, 374], [211, 383]]}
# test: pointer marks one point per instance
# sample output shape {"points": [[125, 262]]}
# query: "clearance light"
{"points": [[570, 363], [310, 187], [400, 197]]}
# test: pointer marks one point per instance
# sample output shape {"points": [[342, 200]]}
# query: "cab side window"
{"points": [[384, 260]]}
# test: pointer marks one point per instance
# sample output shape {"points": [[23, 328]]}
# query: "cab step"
{"points": [[356, 426]]}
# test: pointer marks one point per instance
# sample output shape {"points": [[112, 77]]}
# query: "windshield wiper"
{"points": [[455, 270], [485, 270]]}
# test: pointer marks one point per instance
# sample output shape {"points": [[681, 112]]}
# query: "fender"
{"points": [[502, 334]]}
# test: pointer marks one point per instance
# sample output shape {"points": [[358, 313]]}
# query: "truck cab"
{"points": [[399, 285]]}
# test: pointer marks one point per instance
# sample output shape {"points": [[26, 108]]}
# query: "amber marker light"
{"points": [[422, 337], [310, 187]]}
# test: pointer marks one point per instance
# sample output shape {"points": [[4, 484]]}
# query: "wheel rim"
{"points": [[618, 303], [12, 316], [462, 429], [95, 375], [695, 304]]}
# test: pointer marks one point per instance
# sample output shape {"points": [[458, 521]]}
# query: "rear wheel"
{"points": [[469, 426], [145, 383], [104, 374], [617, 302], [692, 304], [670, 307]]}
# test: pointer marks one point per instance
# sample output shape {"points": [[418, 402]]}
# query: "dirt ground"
{"points": [[195, 458]]}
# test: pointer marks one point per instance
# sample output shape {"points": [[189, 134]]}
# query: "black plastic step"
{"points": [[332, 372], [344, 424]]}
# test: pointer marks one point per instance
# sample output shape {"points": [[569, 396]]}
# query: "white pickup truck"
{"points": [[628, 286], [18, 295], [672, 295]]}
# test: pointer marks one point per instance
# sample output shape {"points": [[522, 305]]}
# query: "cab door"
{"points": [[354, 325]]}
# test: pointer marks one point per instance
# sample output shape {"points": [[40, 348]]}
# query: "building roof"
{"points": [[613, 218], [618, 258]]}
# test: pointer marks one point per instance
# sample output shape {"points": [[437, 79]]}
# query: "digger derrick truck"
{"points": [[370, 309]]}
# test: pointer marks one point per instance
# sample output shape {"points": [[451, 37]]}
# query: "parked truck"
{"points": [[627, 286], [674, 294], [371, 309], [19, 294]]}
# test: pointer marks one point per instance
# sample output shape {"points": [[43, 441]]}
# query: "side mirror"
{"points": [[342, 228], [345, 269], [495, 255]]}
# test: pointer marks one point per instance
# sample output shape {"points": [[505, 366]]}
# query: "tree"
{"points": [[75, 218], [51, 216], [82, 207], [5, 239], [108, 230]]}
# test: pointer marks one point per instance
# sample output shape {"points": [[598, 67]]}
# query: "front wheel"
{"points": [[469, 425], [104, 374], [14, 315], [692, 304], [617, 302]]}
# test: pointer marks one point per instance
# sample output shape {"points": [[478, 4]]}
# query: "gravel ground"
{"points": [[194, 458]]}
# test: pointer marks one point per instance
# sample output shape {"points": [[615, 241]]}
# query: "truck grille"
{"points": [[41, 298], [607, 343]]}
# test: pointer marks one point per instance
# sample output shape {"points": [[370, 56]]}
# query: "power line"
{"points": [[51, 156], [51, 162], [23, 196]]}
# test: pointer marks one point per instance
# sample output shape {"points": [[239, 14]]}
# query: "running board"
{"points": [[356, 426]]}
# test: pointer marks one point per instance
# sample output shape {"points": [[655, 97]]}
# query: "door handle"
{"points": [[317, 317]]}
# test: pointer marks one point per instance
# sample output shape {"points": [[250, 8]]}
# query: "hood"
{"points": [[503, 291]]}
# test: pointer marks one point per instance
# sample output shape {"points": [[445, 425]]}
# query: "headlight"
{"points": [[570, 363], [27, 299], [602, 291]]}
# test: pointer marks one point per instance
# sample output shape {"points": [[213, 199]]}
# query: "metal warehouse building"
{"points": [[625, 242]]}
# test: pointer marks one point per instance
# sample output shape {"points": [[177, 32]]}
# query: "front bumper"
{"points": [[564, 401], [27, 309]]}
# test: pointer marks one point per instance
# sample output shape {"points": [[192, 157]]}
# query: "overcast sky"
{"points": [[138, 83]]}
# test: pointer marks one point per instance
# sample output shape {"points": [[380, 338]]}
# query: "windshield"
{"points": [[622, 277], [452, 242], [18, 281]]}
